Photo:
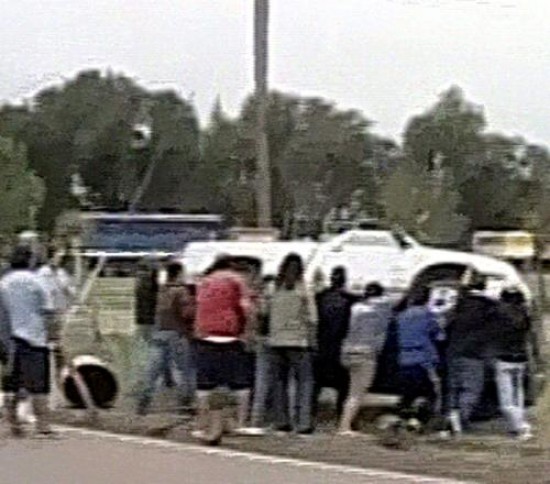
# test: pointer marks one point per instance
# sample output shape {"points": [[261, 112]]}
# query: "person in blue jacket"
{"points": [[418, 333]]}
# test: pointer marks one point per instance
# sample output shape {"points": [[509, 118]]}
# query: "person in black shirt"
{"points": [[470, 334], [511, 361], [334, 311], [145, 296]]}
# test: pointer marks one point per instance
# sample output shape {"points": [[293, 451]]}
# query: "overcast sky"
{"points": [[388, 58]]}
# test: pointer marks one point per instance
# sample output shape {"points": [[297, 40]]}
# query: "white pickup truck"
{"points": [[396, 260], [393, 259]]}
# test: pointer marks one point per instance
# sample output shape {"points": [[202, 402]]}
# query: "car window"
{"points": [[370, 240]]}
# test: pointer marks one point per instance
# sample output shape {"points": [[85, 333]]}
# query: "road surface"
{"points": [[87, 457]]}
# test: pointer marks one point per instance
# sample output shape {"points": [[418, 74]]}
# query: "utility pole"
{"points": [[263, 178]]}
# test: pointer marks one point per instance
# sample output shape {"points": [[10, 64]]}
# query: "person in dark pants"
{"points": [[224, 324], [171, 343], [292, 340], [146, 294], [29, 308], [511, 357], [418, 335], [334, 312], [146, 291], [470, 333]]}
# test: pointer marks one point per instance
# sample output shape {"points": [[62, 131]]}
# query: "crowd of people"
{"points": [[268, 346]]}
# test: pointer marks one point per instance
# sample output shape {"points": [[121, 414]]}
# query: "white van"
{"points": [[197, 257]]}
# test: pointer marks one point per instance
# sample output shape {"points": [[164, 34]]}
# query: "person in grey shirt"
{"points": [[29, 308], [365, 339]]}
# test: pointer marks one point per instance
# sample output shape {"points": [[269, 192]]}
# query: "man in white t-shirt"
{"points": [[29, 308]]}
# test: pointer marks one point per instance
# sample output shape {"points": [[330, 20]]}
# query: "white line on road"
{"points": [[250, 456]]}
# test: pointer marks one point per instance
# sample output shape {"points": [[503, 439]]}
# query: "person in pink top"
{"points": [[224, 309]]}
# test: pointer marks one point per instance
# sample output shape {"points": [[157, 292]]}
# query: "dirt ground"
{"points": [[484, 456], [487, 455]]}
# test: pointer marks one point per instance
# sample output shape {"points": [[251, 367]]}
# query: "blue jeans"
{"points": [[263, 387], [466, 384], [169, 349], [293, 364]]}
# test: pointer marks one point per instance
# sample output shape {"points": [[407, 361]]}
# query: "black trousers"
{"points": [[330, 374], [28, 368]]}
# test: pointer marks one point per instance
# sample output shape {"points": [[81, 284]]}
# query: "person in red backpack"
{"points": [[224, 310]]}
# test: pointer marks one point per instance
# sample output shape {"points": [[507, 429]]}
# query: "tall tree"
{"points": [[317, 152], [85, 125], [222, 172], [425, 204], [452, 131], [175, 143], [451, 137], [21, 191]]}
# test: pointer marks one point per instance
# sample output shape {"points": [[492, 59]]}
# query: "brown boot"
{"points": [[41, 408], [10, 403]]}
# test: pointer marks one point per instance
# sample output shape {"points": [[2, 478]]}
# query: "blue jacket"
{"points": [[418, 332]]}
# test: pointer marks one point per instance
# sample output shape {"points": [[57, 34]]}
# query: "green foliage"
{"points": [[424, 205], [86, 125], [450, 175], [452, 129], [21, 191], [487, 169]]}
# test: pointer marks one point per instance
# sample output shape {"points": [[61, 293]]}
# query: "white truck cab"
{"points": [[392, 258], [396, 260]]}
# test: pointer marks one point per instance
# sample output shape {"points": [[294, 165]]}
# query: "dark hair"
{"points": [[21, 257], [148, 271], [338, 276], [51, 251], [247, 265], [222, 263], [477, 283], [285, 265], [419, 296], [513, 297], [401, 305], [173, 269], [373, 289]]}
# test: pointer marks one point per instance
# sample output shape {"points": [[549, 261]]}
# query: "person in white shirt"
{"points": [[29, 307]]}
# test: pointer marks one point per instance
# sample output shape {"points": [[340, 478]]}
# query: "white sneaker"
{"points": [[25, 413], [348, 433], [413, 425], [525, 436], [251, 431], [198, 434], [455, 422], [386, 421]]}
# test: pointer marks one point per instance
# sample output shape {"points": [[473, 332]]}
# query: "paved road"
{"points": [[90, 458]]}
